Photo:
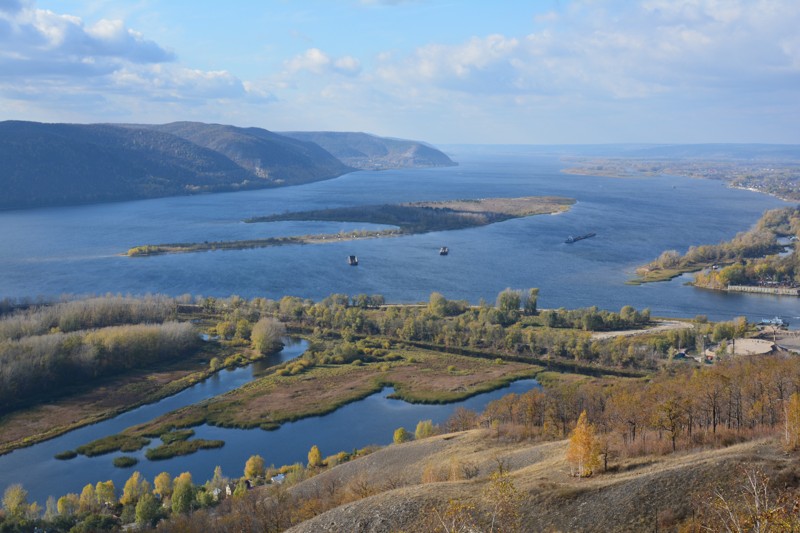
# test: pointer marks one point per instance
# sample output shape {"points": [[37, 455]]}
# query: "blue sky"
{"points": [[538, 72]]}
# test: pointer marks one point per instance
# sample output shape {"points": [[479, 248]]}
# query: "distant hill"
{"points": [[368, 152], [66, 164], [268, 155]]}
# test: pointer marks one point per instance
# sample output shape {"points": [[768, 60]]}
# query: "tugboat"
{"points": [[352, 260], [572, 239], [444, 250]]}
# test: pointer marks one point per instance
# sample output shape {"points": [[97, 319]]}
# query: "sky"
{"points": [[443, 71]]}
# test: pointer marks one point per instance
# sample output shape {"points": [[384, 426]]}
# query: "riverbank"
{"points": [[408, 219]]}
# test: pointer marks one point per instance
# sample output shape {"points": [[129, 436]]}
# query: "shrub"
{"points": [[125, 461], [65, 455]]}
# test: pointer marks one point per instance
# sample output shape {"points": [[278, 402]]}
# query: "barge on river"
{"points": [[572, 239]]}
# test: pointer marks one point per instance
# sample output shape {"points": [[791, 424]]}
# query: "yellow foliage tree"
{"points": [[583, 452], [792, 422], [314, 457], [254, 467], [163, 485]]}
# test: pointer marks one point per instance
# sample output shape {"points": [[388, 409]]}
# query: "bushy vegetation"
{"points": [[89, 313], [32, 365], [748, 259], [125, 461], [46, 347], [181, 447]]}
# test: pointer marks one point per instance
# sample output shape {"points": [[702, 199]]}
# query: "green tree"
{"points": [[254, 467], [314, 457], [218, 481], [401, 435], [437, 304], [182, 495], [531, 302], [508, 305], [147, 510], [266, 335]]}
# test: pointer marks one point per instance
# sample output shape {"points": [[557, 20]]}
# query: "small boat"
{"points": [[444, 250], [572, 239], [776, 321], [352, 260]]}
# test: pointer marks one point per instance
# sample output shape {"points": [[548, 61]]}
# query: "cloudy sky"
{"points": [[445, 71]]}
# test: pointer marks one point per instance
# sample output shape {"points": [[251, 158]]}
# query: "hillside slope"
{"points": [[268, 155], [369, 152], [643, 494], [57, 164]]}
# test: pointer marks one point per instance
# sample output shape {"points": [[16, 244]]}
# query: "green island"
{"points": [[668, 395], [751, 259], [408, 219], [125, 461]]}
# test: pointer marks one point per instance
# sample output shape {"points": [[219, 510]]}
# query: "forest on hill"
{"points": [[67, 164]]}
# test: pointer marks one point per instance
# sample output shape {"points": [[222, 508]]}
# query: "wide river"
{"points": [[75, 250]]}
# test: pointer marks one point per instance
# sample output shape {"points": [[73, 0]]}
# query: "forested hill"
{"points": [[268, 155], [64, 164], [368, 152]]}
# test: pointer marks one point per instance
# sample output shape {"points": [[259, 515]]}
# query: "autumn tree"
{"points": [[68, 505], [15, 501], [425, 429], [254, 467], [106, 492], [314, 457], [583, 452], [792, 422], [504, 502], [163, 485], [88, 500], [401, 435], [134, 488]]}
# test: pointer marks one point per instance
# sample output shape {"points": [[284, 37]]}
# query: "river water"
{"points": [[75, 250], [368, 421]]}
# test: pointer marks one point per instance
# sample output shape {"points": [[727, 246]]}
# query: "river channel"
{"points": [[76, 250], [368, 421]]}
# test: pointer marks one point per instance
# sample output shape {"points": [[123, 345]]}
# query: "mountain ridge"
{"points": [[56, 164]]}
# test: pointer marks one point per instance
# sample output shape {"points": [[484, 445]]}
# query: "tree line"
{"points": [[750, 258]]}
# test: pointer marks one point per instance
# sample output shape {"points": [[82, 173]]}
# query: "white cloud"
{"points": [[52, 56], [318, 62], [640, 51]]}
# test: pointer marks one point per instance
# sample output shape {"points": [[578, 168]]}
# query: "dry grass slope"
{"points": [[642, 494]]}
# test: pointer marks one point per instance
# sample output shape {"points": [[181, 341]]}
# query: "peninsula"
{"points": [[407, 219]]}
